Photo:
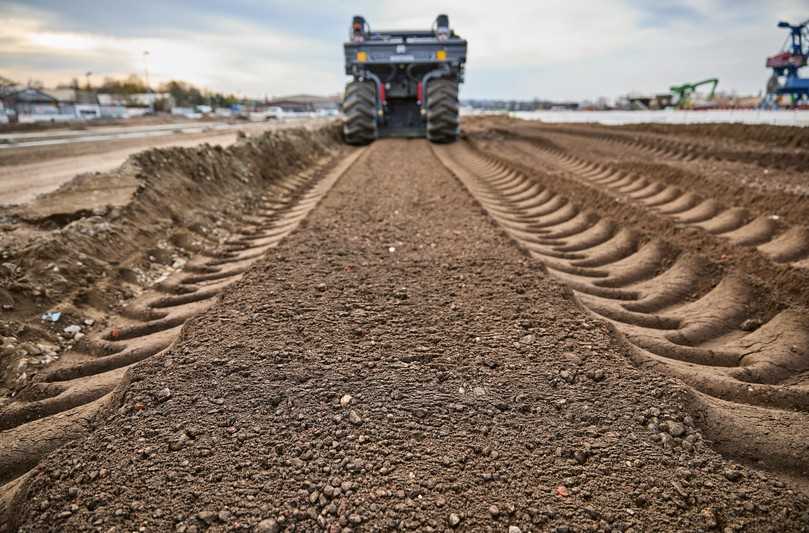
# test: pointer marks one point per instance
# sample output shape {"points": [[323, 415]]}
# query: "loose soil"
{"points": [[101, 239], [397, 363], [28, 171]]}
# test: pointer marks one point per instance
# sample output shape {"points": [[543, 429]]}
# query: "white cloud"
{"points": [[553, 49]]}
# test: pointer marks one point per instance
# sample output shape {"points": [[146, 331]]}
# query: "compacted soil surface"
{"points": [[398, 364]]}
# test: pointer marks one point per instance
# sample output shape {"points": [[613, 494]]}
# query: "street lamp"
{"points": [[87, 79], [146, 67]]}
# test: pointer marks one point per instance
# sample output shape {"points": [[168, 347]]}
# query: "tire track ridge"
{"points": [[63, 402], [780, 243], [689, 151], [675, 312]]}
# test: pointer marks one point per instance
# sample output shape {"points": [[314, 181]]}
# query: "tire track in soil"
{"points": [[762, 188], [688, 151], [480, 395], [780, 243], [786, 282], [62, 404], [677, 312]]}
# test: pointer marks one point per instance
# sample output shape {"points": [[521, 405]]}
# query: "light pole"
{"points": [[87, 79], [146, 67]]}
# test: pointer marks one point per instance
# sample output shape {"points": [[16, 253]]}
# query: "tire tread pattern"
{"points": [[443, 121], [359, 107]]}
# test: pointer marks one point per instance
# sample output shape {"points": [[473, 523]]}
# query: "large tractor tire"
{"points": [[359, 107], [443, 122]]}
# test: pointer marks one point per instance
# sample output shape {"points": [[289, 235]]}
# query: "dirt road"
{"points": [[539, 328], [397, 363], [30, 171]]}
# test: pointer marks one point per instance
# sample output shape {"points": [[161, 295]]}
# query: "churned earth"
{"points": [[398, 363]]}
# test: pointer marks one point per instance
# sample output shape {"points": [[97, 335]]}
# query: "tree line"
{"points": [[184, 94]]}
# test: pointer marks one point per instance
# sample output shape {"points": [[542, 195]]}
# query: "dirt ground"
{"points": [[539, 328], [103, 123], [28, 172], [84, 249]]}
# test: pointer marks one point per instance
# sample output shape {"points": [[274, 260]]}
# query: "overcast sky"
{"points": [[558, 49]]}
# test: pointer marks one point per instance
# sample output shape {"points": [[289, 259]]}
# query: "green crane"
{"points": [[686, 90]]}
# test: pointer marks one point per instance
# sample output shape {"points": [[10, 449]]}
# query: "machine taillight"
{"points": [[420, 92], [358, 29], [362, 57], [441, 55]]}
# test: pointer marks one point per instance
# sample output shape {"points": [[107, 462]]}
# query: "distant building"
{"points": [[133, 105], [306, 103], [112, 105], [82, 105], [30, 105]]}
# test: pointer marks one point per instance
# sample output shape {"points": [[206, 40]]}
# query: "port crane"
{"points": [[786, 65]]}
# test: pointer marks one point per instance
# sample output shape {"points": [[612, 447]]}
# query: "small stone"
{"points": [[567, 376], [178, 443], [527, 339], [494, 511], [514, 529], [710, 518], [751, 324], [454, 520], [598, 375], [354, 418], [207, 516], [268, 525], [355, 519], [164, 394], [732, 475], [345, 400], [478, 391], [675, 429]]}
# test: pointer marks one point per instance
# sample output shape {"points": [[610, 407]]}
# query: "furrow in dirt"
{"points": [[783, 157], [677, 312], [689, 220], [61, 403], [770, 192], [779, 242]]}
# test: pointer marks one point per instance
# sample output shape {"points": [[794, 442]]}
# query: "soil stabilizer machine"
{"points": [[405, 83]]}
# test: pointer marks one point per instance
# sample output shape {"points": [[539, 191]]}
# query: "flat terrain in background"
{"points": [[37, 162]]}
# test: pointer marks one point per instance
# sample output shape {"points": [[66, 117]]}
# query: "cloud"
{"points": [[518, 49]]}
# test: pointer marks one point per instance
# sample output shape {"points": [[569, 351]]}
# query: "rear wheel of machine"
{"points": [[359, 107], [443, 123]]}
